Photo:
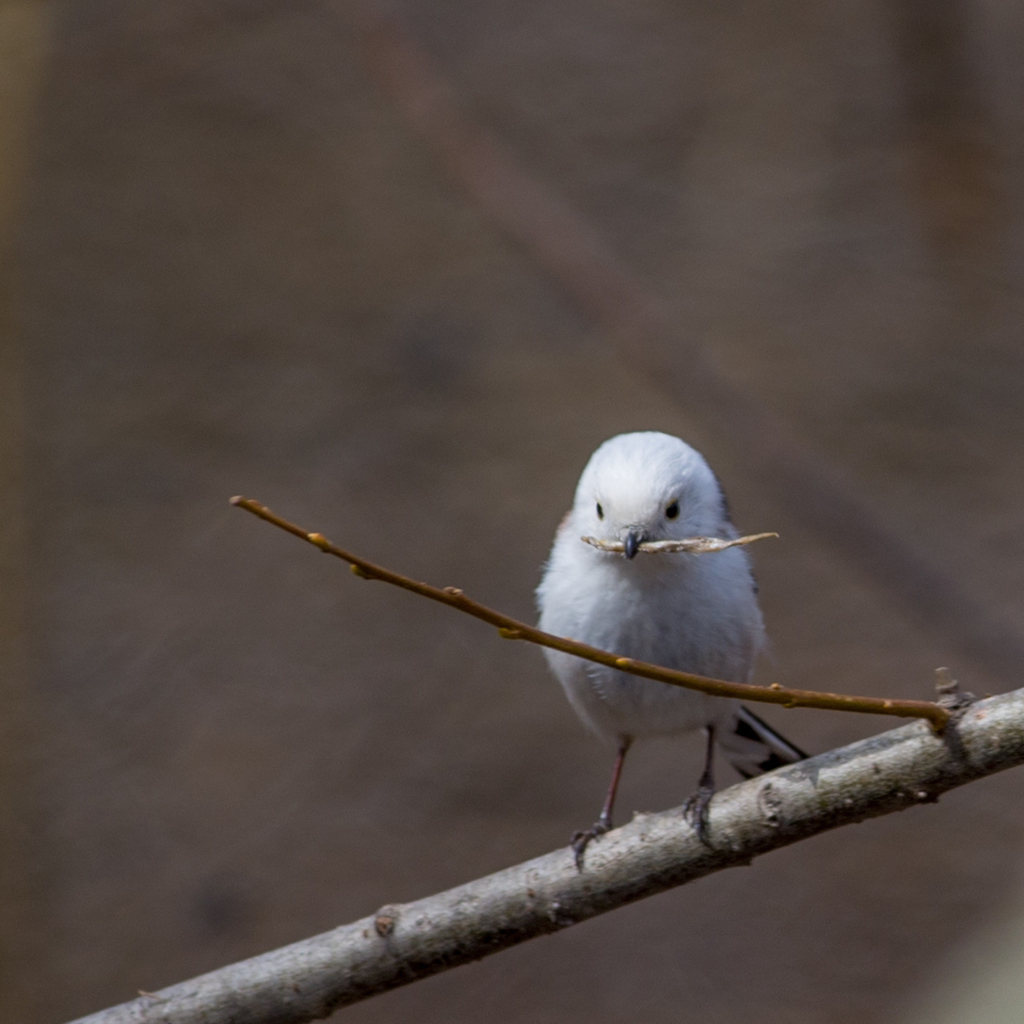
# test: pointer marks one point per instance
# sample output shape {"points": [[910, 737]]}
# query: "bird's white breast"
{"points": [[696, 613]]}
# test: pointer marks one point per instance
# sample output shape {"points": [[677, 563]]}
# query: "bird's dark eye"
{"points": [[672, 511], [600, 511]]}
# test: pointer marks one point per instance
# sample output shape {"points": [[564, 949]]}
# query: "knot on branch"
{"points": [[385, 920], [951, 697], [770, 805]]}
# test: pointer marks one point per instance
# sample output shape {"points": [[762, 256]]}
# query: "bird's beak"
{"points": [[632, 542]]}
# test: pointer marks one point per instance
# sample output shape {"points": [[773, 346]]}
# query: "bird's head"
{"points": [[646, 487]]}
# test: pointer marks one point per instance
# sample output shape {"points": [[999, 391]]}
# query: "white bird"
{"points": [[693, 612]]}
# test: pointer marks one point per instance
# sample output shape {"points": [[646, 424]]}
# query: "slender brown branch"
{"points": [[513, 629]]}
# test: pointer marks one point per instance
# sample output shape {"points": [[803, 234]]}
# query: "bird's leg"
{"points": [[604, 823], [695, 810]]}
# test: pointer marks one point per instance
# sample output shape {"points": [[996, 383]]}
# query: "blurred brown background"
{"points": [[231, 265]]}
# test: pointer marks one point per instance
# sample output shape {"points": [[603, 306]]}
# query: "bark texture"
{"points": [[654, 852]]}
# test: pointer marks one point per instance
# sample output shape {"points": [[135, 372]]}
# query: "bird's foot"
{"points": [[695, 811], [581, 840]]}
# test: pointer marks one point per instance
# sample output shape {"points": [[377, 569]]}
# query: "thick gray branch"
{"points": [[402, 943]]}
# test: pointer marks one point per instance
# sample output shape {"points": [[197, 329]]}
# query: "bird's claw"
{"points": [[580, 840], [695, 811]]}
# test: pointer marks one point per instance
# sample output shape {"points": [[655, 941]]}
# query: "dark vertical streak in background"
{"points": [[24, 42], [953, 158]]}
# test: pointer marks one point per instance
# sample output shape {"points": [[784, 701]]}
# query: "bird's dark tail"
{"points": [[752, 746]]}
